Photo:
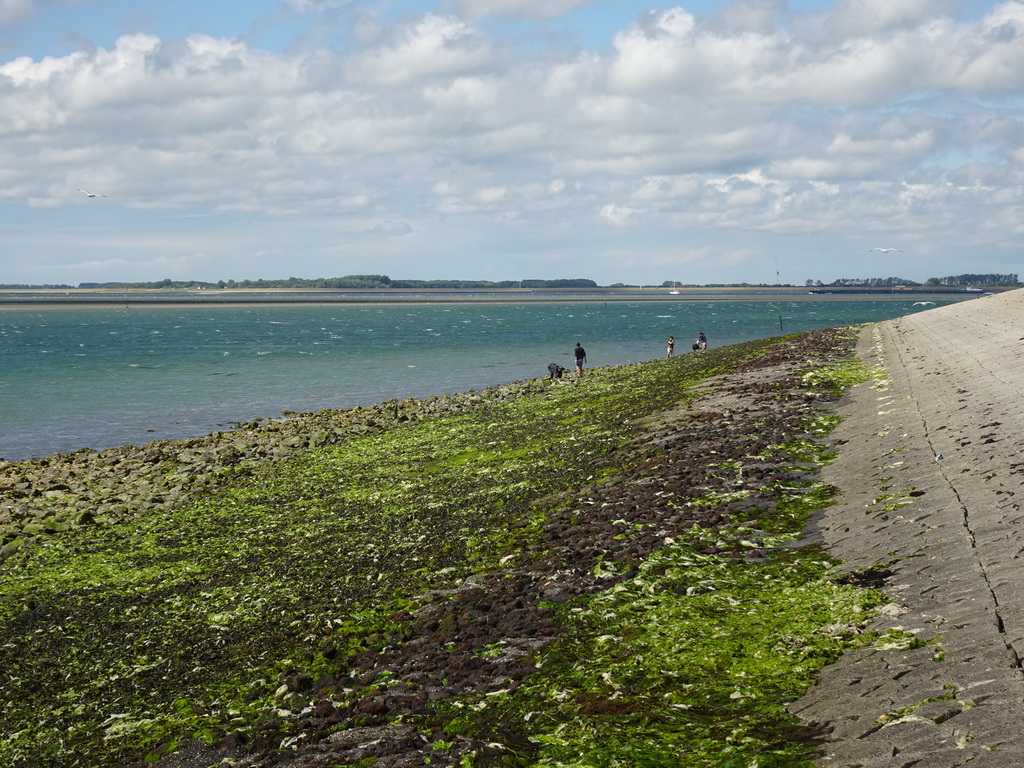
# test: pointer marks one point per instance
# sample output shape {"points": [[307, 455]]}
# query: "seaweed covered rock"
{"points": [[50, 495]]}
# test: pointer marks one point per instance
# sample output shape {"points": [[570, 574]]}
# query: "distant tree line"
{"points": [[1002, 280], [731, 285], [379, 282], [383, 282], [893, 282], [17, 287]]}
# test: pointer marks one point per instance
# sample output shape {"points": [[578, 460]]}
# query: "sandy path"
{"points": [[955, 548]]}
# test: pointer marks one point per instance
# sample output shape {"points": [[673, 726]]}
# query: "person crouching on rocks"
{"points": [[555, 371]]}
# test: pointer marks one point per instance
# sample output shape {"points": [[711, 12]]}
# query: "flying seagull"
{"points": [[886, 250], [922, 303], [90, 194]]}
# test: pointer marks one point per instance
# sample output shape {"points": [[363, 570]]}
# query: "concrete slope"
{"points": [[931, 474]]}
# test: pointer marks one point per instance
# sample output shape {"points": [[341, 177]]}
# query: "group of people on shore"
{"points": [[701, 342], [555, 371], [579, 353]]}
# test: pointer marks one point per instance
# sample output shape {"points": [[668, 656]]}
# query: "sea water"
{"points": [[104, 377]]}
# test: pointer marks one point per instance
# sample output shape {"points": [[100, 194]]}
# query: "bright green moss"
{"points": [[119, 642]]}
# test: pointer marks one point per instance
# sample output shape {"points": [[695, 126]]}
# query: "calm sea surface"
{"points": [[104, 377]]}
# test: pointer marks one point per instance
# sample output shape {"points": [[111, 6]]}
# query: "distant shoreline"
{"points": [[105, 298]]}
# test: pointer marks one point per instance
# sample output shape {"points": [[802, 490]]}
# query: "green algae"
{"points": [[120, 642], [691, 662]]}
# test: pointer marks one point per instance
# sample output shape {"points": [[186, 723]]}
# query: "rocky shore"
{"points": [[938, 535], [738, 416], [67, 491], [713, 457]]}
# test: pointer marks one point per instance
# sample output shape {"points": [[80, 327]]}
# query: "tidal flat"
{"points": [[614, 570]]}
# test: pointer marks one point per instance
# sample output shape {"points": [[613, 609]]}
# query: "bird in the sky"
{"points": [[886, 250], [922, 303], [90, 194]]}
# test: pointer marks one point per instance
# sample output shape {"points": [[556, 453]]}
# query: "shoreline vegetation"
{"points": [[375, 282], [614, 570], [79, 298]]}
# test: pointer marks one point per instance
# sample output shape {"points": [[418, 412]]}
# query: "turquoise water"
{"points": [[104, 377]]}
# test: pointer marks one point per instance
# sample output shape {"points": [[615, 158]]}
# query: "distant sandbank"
{"points": [[82, 298]]}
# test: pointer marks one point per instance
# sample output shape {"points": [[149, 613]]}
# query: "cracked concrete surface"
{"points": [[931, 474]]}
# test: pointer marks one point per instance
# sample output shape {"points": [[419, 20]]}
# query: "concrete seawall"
{"points": [[931, 475]]}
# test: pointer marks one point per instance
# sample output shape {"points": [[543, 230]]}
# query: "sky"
{"points": [[753, 141]]}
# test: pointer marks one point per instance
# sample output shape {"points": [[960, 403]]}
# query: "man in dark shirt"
{"points": [[581, 358]]}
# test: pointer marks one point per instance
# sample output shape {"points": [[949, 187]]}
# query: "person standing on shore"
{"points": [[581, 358], [671, 345]]}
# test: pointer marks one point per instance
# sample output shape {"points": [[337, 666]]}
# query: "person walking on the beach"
{"points": [[581, 358], [671, 345]]}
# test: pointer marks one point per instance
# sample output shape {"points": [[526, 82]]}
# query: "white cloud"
{"points": [[490, 195], [910, 50], [749, 16], [916, 144], [862, 18], [434, 46], [317, 6], [620, 215], [521, 9], [13, 10], [771, 123]]}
